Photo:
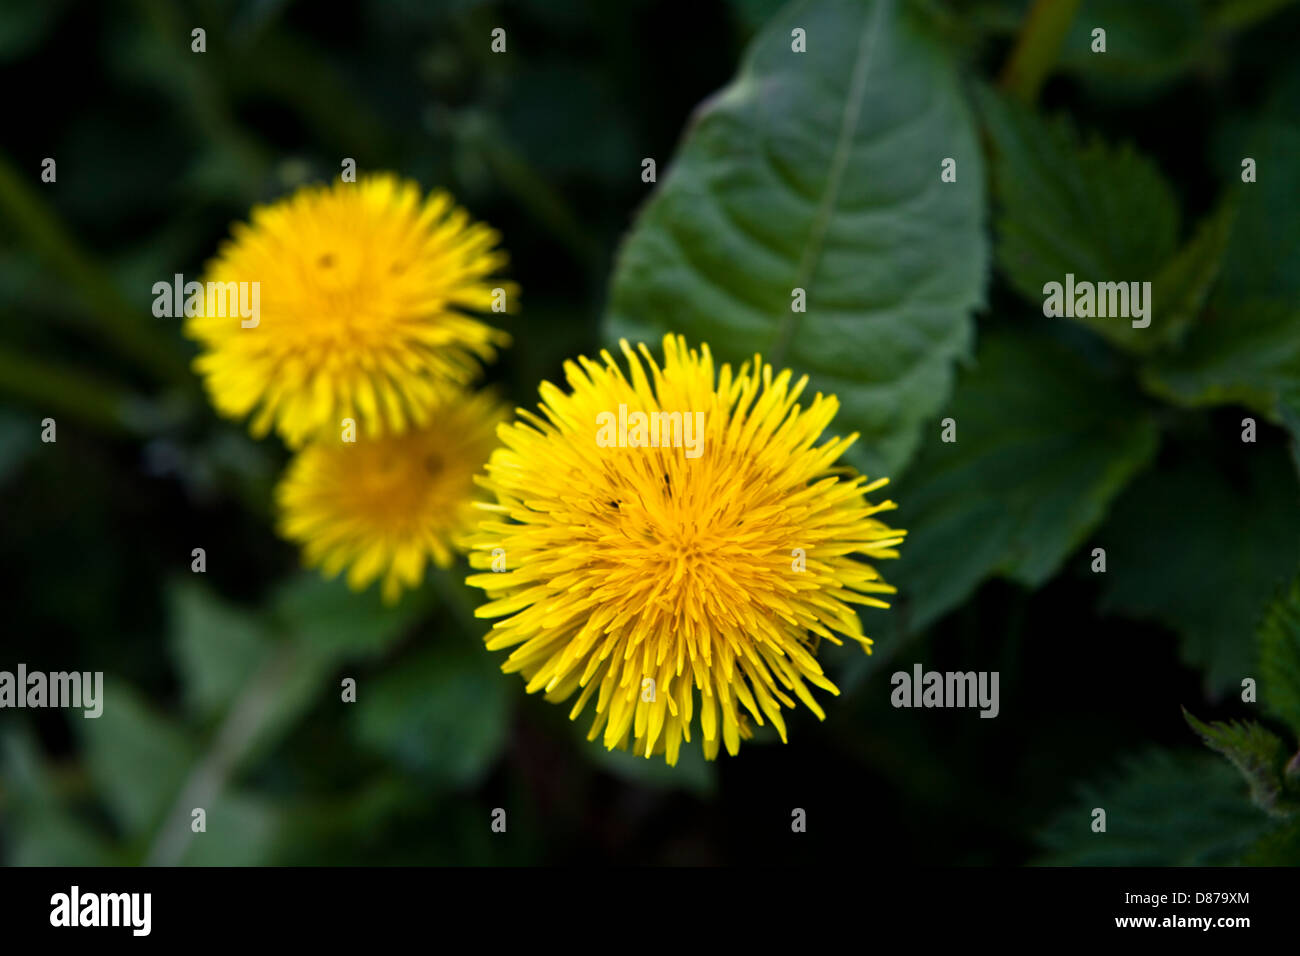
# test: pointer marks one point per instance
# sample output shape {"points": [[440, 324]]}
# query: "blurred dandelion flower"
{"points": [[364, 293], [642, 575], [387, 505]]}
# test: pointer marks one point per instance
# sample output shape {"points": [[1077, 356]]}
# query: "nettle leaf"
{"points": [[1162, 809], [1182, 287], [1072, 205], [1246, 354], [1203, 550], [821, 171], [1100, 213], [1279, 658], [1044, 443], [1254, 750]]}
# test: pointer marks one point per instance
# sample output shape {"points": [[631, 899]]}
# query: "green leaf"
{"points": [[1247, 354], [1277, 847], [45, 838], [283, 689], [1260, 260], [217, 647], [42, 829], [241, 830], [1202, 549], [269, 684], [1255, 751], [137, 758], [1044, 443], [332, 622], [1162, 809], [443, 715], [1087, 209], [1183, 284], [1147, 44], [1279, 658], [1241, 14], [821, 171]]}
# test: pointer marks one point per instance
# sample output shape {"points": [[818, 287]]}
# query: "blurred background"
{"points": [[225, 684]]}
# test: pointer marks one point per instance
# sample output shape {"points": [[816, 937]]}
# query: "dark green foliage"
{"points": [[820, 172], [1163, 808], [1257, 752], [1279, 658], [776, 170]]}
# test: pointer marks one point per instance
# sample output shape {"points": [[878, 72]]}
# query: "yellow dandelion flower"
{"points": [[386, 505], [647, 557], [363, 292]]}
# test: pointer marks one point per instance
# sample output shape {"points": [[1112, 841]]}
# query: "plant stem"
{"points": [[120, 325], [1037, 47], [55, 389], [209, 776]]}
